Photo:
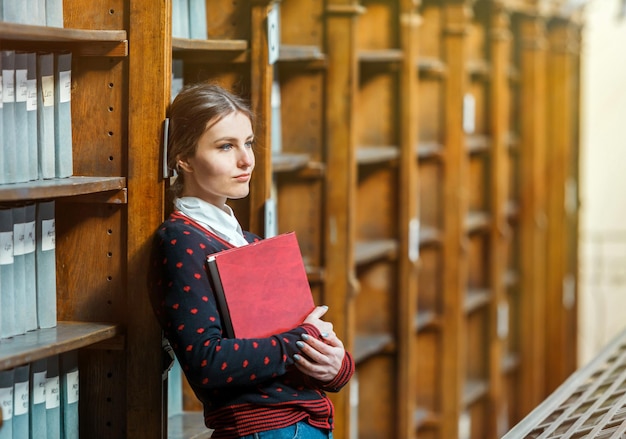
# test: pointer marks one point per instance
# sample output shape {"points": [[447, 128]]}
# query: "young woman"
{"points": [[263, 388]]}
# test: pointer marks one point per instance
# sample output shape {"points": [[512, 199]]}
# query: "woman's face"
{"points": [[222, 165]]}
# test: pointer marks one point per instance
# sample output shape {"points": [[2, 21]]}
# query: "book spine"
{"points": [[46, 266], [216, 283], [19, 269], [69, 394], [31, 110], [197, 19], [63, 116], [7, 287], [30, 284], [54, 13], [14, 11], [45, 114], [38, 376], [7, 379], [8, 115], [21, 117], [53, 399], [21, 406], [177, 77]]}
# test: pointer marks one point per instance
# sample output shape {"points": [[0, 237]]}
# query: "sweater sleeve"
{"points": [[185, 306]]}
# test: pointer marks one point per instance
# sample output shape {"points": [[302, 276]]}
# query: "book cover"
{"points": [[261, 288], [19, 268], [45, 263], [7, 284], [21, 117], [38, 374], [8, 116], [45, 114], [63, 115], [53, 398], [31, 109], [69, 394], [21, 404], [30, 284], [7, 378], [180, 18]]}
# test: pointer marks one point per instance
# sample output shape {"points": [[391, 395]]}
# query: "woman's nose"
{"points": [[246, 157]]}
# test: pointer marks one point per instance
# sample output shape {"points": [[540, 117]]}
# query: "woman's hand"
{"points": [[319, 359]]}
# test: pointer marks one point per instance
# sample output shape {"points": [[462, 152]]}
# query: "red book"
{"points": [[261, 288]]}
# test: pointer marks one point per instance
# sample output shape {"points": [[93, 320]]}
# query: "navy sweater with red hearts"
{"points": [[245, 385]]}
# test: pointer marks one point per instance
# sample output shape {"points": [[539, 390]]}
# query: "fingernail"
{"points": [[325, 306], [305, 336], [300, 344], [324, 334], [297, 357]]}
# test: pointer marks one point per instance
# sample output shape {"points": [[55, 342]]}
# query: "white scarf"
{"points": [[222, 222]]}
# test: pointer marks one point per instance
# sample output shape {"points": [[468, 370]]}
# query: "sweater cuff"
{"points": [[311, 330], [343, 376]]}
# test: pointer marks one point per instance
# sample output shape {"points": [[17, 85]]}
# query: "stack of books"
{"points": [[35, 12], [189, 19], [27, 268]]}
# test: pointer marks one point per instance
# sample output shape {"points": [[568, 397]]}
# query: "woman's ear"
{"points": [[184, 165]]}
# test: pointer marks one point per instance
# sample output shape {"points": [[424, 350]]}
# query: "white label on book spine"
{"points": [[65, 89], [18, 239], [8, 86], [6, 248], [30, 243], [72, 387], [6, 400], [21, 85], [1, 88], [31, 102], [47, 235], [21, 399], [53, 399], [414, 239], [47, 90], [39, 387]]}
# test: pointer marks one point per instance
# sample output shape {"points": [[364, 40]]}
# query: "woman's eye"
{"points": [[226, 146], [250, 144]]}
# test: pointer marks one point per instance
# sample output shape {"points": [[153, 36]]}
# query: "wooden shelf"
{"points": [[474, 390], [477, 143], [213, 50], [424, 418], [60, 187], [426, 320], [82, 42], [429, 236], [476, 298], [430, 150], [380, 56], [366, 346], [477, 221], [312, 55], [431, 67], [365, 252], [367, 155], [43, 343]]}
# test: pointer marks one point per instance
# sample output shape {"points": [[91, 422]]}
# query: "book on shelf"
{"points": [[63, 115], [21, 117], [21, 402], [69, 394], [45, 263], [180, 18], [261, 288], [30, 284], [8, 116], [197, 19], [7, 380], [38, 374], [53, 398], [54, 13], [31, 110], [14, 11], [19, 268], [45, 114], [7, 280], [177, 77]]}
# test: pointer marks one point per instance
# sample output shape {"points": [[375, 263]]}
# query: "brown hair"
{"points": [[193, 111]]}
